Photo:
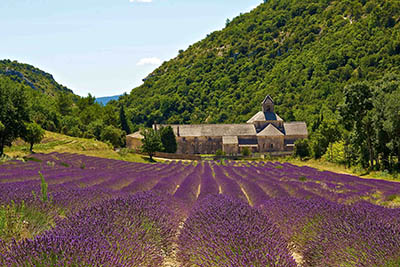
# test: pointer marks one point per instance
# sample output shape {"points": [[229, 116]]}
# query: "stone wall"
{"points": [[271, 144], [198, 145], [133, 143], [231, 149], [177, 156]]}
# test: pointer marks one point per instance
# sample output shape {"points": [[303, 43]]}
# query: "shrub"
{"points": [[302, 148], [219, 152], [246, 152], [335, 153]]}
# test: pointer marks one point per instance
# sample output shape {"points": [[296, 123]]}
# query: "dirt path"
{"points": [[171, 260]]}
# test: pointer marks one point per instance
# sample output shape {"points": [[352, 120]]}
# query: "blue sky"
{"points": [[106, 47]]}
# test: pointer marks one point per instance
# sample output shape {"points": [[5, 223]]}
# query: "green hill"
{"points": [[55, 108], [32, 77], [302, 53]]}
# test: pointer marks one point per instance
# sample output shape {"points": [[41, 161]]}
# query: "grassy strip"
{"points": [[54, 142]]}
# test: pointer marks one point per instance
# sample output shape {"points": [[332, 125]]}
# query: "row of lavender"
{"points": [[293, 210], [252, 182]]}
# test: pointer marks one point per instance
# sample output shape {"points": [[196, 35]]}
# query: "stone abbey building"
{"points": [[264, 132]]}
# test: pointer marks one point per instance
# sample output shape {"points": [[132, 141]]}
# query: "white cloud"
{"points": [[141, 1], [149, 61], [253, 7]]}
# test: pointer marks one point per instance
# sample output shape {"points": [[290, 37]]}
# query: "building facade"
{"points": [[264, 132]]}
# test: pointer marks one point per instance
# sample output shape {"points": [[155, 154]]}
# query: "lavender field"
{"points": [[101, 212]]}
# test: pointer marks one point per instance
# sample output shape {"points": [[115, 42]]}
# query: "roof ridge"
{"points": [[270, 130]]}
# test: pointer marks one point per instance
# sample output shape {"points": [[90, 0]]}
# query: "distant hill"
{"points": [[301, 52], [104, 100], [32, 77]]}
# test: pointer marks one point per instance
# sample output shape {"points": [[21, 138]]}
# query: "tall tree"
{"points": [[64, 103], [13, 112], [357, 115], [168, 139], [392, 123], [124, 122]]}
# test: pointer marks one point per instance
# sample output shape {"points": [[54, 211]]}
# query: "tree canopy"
{"points": [[13, 112], [168, 139], [33, 134], [151, 143]]}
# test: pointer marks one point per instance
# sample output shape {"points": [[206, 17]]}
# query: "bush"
{"points": [[302, 148], [114, 135], [335, 153], [246, 152], [219, 152]]}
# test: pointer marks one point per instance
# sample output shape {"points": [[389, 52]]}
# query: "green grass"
{"points": [[18, 221], [55, 142], [333, 167]]}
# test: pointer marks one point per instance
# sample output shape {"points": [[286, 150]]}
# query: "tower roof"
{"points": [[265, 116], [267, 99]]}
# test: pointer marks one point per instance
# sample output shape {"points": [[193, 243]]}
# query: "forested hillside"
{"points": [[301, 52], [32, 77], [30, 95]]}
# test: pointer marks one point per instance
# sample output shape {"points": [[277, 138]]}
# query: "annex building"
{"points": [[264, 132]]}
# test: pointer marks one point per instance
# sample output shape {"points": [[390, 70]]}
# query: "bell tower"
{"points": [[268, 104]]}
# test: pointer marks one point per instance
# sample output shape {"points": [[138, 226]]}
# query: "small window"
{"points": [[272, 146], [183, 139]]}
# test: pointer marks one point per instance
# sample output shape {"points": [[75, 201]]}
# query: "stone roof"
{"points": [[268, 98], [265, 116], [270, 130], [295, 128], [136, 135], [213, 130], [230, 140]]}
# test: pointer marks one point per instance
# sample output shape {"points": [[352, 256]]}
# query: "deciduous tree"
{"points": [[13, 112], [33, 134], [151, 142]]}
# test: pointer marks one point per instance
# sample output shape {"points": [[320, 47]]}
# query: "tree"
{"points": [[64, 103], [124, 122], [392, 123], [324, 136], [151, 142], [357, 117], [301, 148], [113, 135], [13, 112], [168, 139], [33, 134]]}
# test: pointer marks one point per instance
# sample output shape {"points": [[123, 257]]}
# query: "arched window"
{"points": [[272, 146]]}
